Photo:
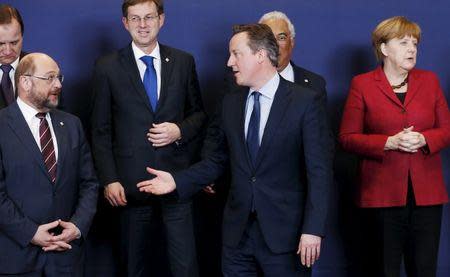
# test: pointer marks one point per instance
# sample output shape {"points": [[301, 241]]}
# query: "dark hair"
{"points": [[8, 13], [260, 36], [128, 3]]}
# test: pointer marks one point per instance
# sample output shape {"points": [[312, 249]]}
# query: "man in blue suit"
{"points": [[270, 132], [48, 189]]}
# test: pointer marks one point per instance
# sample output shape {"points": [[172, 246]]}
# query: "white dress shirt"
{"points": [[138, 54], [288, 73], [265, 101], [29, 113], [11, 74]]}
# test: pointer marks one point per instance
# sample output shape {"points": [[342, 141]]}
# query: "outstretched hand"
{"points": [[163, 183]]}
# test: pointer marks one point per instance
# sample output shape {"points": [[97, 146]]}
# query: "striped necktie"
{"points": [[47, 148]]}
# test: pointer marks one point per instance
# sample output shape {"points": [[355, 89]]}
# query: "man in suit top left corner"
{"points": [[147, 87], [11, 40], [48, 187]]}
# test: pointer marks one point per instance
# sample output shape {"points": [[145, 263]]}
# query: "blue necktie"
{"points": [[150, 81], [253, 128], [7, 88]]}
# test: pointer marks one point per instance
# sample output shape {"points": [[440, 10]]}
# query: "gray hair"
{"points": [[278, 15]]}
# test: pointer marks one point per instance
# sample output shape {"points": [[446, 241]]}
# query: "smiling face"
{"points": [[400, 53], [143, 23], [242, 60]]}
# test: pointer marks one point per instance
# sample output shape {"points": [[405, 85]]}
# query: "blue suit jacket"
{"points": [[293, 175], [29, 199]]}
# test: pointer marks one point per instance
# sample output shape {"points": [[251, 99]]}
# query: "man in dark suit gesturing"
{"points": [[269, 131], [147, 87], [11, 39], [48, 188]]}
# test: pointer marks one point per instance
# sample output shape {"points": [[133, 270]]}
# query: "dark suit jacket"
{"points": [[122, 116], [27, 196], [372, 114], [2, 100], [310, 80], [287, 201]]}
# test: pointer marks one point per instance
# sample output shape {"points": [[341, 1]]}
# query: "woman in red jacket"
{"points": [[397, 120]]}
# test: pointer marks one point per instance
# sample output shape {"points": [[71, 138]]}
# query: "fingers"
{"points": [[309, 249], [209, 189], [142, 185], [57, 246], [115, 194]]}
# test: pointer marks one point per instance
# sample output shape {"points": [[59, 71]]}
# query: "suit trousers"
{"points": [[411, 232], [138, 241], [252, 257]]}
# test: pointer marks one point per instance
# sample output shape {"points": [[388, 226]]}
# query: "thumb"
{"points": [[122, 195], [64, 224], [153, 171], [409, 129], [51, 225]]}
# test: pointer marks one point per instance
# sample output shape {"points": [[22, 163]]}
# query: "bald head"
{"points": [[37, 81]]}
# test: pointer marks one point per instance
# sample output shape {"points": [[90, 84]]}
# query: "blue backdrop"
{"points": [[333, 39]]}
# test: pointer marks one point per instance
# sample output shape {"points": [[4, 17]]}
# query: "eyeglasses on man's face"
{"points": [[49, 79], [147, 19]]}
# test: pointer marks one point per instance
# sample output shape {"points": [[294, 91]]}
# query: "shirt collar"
{"points": [[28, 111], [15, 63], [287, 71], [138, 53], [269, 88]]}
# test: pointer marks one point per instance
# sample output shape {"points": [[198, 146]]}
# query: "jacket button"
{"points": [[253, 179], [403, 111]]}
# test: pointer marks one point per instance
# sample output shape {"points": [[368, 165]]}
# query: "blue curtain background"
{"points": [[333, 39]]}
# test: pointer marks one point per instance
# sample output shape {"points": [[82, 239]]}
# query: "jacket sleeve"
{"points": [[101, 124], [13, 222], [88, 187], [319, 151], [438, 137], [351, 134], [195, 117]]}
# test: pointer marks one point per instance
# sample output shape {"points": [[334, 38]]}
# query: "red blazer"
{"points": [[372, 113]]}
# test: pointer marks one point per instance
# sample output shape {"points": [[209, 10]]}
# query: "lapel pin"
{"points": [[306, 81], [167, 60], [61, 123]]}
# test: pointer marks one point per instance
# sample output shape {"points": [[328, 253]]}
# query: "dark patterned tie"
{"points": [[150, 81], [7, 88], [253, 128], [47, 149]]}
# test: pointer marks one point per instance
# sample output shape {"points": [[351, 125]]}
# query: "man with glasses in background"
{"points": [[11, 39], [48, 188], [147, 87]]}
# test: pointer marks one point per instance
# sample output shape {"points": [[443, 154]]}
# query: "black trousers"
{"points": [[252, 258], [410, 233], [139, 241]]}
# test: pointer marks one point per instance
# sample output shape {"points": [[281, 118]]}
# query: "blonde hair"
{"points": [[394, 27]]}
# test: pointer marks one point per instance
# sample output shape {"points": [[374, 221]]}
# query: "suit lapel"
{"points": [[166, 71], [413, 86], [383, 85], [130, 68], [277, 111], [240, 120], [20, 127], [60, 130]]}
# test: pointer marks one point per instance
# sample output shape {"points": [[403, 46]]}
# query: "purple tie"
{"points": [[7, 88], [47, 149]]}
